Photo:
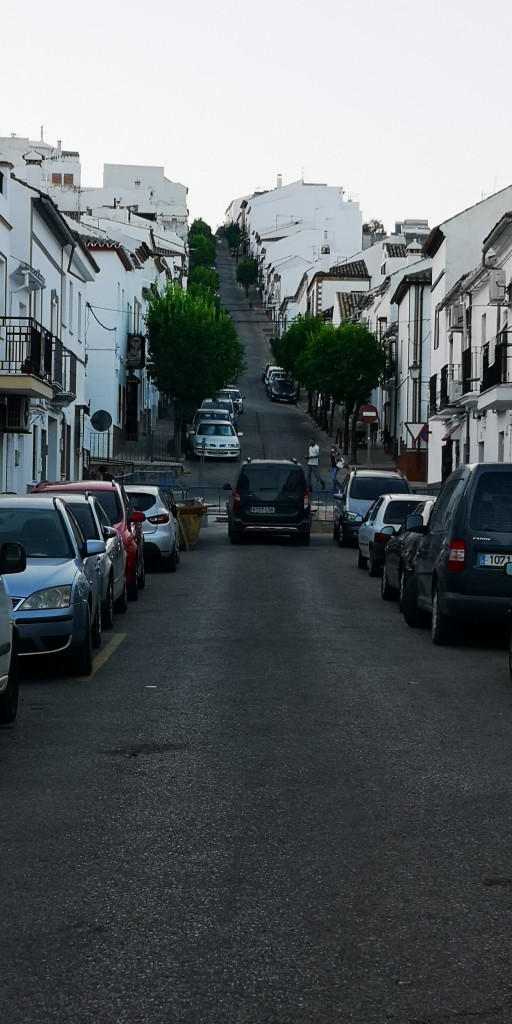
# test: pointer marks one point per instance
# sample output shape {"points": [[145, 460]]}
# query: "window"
{"points": [[70, 310], [484, 329], [56, 178], [492, 505], [79, 315], [68, 179], [1, 183]]}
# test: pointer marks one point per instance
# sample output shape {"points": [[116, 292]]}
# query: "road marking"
{"points": [[103, 656]]}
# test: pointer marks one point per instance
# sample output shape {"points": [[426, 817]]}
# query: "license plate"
{"points": [[263, 510], [495, 560]]}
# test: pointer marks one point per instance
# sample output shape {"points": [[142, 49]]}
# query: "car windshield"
{"points": [[40, 531], [282, 385], [215, 430], [271, 481], [492, 505], [396, 511], [370, 487]]}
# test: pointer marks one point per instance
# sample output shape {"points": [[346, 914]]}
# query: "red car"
{"points": [[121, 513]]}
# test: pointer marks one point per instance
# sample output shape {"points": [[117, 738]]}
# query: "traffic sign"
{"points": [[369, 414]]}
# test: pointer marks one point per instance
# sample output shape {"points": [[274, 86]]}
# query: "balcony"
{"points": [[445, 391], [496, 386], [32, 359]]}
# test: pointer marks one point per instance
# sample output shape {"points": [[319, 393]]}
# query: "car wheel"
{"points": [[141, 579], [410, 611], [343, 539], [304, 539], [96, 628], [387, 592], [336, 533], [373, 565], [121, 604], [133, 589], [81, 655], [442, 628], [9, 698], [361, 560], [170, 564], [107, 607]]}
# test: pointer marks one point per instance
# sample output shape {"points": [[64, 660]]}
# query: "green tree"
{"points": [[199, 227], [233, 236], [194, 350], [362, 361], [247, 273], [201, 250], [205, 276]]}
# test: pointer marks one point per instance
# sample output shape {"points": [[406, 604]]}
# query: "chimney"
{"points": [[279, 181], [59, 146], [325, 259], [33, 163]]}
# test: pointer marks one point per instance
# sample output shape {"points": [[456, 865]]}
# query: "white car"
{"points": [[12, 559], [160, 528], [236, 397], [387, 510], [215, 439]]}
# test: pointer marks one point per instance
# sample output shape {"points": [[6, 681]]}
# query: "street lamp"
{"points": [[415, 370]]}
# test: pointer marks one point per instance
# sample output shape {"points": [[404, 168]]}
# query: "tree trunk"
{"points": [[346, 432], [355, 414], [331, 419]]}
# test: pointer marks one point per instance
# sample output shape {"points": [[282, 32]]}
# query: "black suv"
{"points": [[270, 497], [459, 566], [357, 494]]}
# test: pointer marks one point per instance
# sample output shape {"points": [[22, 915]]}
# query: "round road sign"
{"points": [[369, 414]]}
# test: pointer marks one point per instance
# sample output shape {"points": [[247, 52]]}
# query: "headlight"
{"points": [[53, 597], [353, 517]]}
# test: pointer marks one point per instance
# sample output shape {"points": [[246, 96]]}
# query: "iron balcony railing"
{"points": [[495, 372], [28, 347]]}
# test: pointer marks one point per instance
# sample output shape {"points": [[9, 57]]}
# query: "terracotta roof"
{"points": [[395, 250], [356, 269], [418, 277], [349, 303]]}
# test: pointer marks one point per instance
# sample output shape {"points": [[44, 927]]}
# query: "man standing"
{"points": [[313, 472]]}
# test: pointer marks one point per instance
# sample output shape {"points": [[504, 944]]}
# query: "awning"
{"points": [[451, 430]]}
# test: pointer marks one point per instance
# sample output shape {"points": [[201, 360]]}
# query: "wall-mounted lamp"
{"points": [[415, 370]]}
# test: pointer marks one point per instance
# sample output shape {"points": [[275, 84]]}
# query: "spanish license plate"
{"points": [[494, 560], [263, 510]]}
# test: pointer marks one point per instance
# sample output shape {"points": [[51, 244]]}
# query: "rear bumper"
{"points": [[465, 606]]}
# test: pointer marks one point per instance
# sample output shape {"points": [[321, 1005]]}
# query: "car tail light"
{"points": [[306, 500], [162, 518], [381, 538], [236, 498], [457, 555]]}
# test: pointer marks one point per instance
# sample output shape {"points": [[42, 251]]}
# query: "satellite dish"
{"points": [[101, 420]]}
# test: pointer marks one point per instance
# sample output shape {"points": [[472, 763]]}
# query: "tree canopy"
{"points": [[247, 273]]}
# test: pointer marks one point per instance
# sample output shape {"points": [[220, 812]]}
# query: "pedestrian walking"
{"points": [[313, 471], [337, 463]]}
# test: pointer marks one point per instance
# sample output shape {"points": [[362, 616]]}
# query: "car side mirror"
{"points": [[12, 558], [239, 433], [109, 531], [388, 531], [137, 517], [94, 547]]}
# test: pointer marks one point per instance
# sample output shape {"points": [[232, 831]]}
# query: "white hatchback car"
{"points": [[12, 559], [160, 528], [387, 510]]}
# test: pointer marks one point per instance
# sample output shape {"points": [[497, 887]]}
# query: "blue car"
{"points": [[56, 600]]}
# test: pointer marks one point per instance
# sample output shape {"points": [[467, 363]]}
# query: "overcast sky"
{"points": [[404, 104]]}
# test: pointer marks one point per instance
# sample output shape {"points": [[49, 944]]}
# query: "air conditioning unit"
{"points": [[456, 317], [497, 286], [454, 390], [15, 415]]}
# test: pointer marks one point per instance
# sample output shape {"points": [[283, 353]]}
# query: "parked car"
{"points": [[389, 510], [161, 534], [56, 599], [96, 526], [116, 504], [270, 497], [215, 439], [12, 560], [236, 397], [272, 376], [203, 414], [357, 493], [400, 550], [270, 370], [222, 403], [282, 389], [460, 559]]}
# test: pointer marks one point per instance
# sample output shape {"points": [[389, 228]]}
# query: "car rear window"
{"points": [[141, 500], [271, 481], [368, 488], [283, 385], [491, 509], [397, 511]]}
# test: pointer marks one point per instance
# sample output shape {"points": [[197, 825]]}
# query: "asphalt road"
{"points": [[272, 803]]}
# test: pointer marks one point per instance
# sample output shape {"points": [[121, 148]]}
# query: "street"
{"points": [[272, 801]]}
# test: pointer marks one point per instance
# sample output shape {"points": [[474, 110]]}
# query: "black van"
{"points": [[460, 560], [270, 497]]}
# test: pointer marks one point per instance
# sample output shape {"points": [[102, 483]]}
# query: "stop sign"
{"points": [[369, 414]]}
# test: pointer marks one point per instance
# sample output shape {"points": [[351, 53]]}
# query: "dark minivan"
{"points": [[459, 564], [271, 496]]}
